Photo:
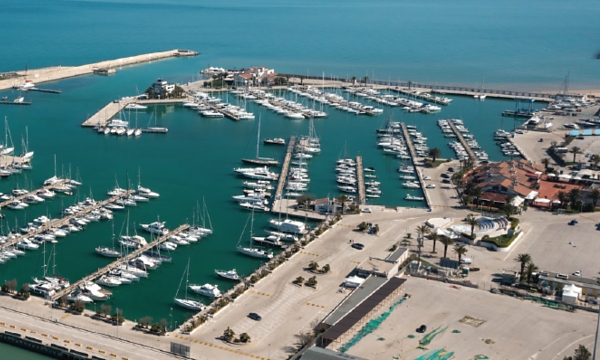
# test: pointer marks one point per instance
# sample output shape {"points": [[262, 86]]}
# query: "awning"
{"points": [[517, 201], [542, 201], [532, 195]]}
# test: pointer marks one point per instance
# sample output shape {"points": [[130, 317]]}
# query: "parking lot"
{"points": [[444, 194], [508, 328]]}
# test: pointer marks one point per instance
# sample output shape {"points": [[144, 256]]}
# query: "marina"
{"points": [[462, 140]]}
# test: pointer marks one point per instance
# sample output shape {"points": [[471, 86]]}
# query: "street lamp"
{"points": [[171, 320]]}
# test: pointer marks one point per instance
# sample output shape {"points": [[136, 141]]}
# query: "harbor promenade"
{"points": [[120, 261], [63, 72], [463, 141]]}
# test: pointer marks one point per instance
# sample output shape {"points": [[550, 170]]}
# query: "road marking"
{"points": [[307, 253], [356, 262], [66, 316], [224, 348], [260, 293], [23, 329], [315, 305]]}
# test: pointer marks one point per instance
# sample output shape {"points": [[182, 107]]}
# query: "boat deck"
{"points": [[123, 260]]}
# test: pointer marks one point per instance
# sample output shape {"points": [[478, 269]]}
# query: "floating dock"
{"points": [[103, 116], [50, 91], [123, 260], [362, 199], [5, 102], [284, 169], [463, 141], [222, 111]]}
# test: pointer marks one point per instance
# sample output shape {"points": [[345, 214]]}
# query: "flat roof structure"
{"points": [[357, 296], [317, 353]]}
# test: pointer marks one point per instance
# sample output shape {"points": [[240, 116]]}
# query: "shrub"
{"points": [[245, 338]]}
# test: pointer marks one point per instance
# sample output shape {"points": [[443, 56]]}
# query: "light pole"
{"points": [[171, 319], [117, 313]]}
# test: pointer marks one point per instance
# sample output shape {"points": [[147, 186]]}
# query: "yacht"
{"points": [[26, 244], [211, 114], [206, 290], [411, 185], [78, 295], [109, 281], [288, 226], [145, 192], [93, 291], [414, 198], [104, 251], [133, 270], [270, 240], [254, 206], [156, 227], [228, 274], [255, 252], [134, 106], [275, 141]]}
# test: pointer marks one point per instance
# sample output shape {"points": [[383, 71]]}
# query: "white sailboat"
{"points": [[252, 251], [7, 150], [185, 302], [260, 160]]}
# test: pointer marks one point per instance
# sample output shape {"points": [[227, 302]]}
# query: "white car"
{"points": [[430, 186], [367, 210], [426, 177], [577, 273], [466, 261]]}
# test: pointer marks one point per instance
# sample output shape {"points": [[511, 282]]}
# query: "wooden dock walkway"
{"points": [[103, 116], [463, 141], [362, 198], [284, 169], [116, 263], [54, 223]]}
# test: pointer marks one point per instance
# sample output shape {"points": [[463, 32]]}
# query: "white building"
{"points": [[162, 87]]}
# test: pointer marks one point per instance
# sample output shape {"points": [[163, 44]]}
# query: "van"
{"points": [[561, 150], [562, 276]]}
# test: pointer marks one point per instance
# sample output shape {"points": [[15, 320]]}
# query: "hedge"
{"points": [[500, 241]]}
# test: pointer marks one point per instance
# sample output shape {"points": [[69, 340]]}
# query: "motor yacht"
{"points": [[206, 290], [228, 274]]}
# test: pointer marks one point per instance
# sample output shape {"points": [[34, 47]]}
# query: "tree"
{"points": [[365, 79], [574, 197], [24, 292], [299, 280], [530, 269], [562, 197], [422, 230], [343, 199], [435, 153], [78, 306], [313, 265], [312, 281], [375, 229], [10, 286], [325, 269], [446, 241], [245, 338], [477, 192], [546, 163], [581, 353], [301, 200], [523, 259], [363, 226], [105, 309], [575, 150], [460, 250], [595, 159], [472, 221], [145, 321], [594, 196], [228, 334], [163, 324], [435, 237]]}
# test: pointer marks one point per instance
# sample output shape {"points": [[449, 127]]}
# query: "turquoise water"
{"points": [[13, 352], [512, 44]]}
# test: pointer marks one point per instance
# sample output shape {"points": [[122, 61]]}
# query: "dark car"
{"points": [[451, 169], [446, 181], [573, 222], [358, 246], [445, 176], [422, 329], [255, 316]]}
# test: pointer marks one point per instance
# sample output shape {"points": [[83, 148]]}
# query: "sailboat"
{"points": [[104, 251], [185, 302], [25, 144], [196, 229], [7, 150], [252, 251], [260, 160], [53, 180]]}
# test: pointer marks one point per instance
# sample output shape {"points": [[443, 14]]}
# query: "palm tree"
{"points": [[472, 221], [595, 159], [343, 199], [524, 259], [574, 196], [460, 250], [530, 269], [545, 162], [447, 242], [562, 197], [435, 237], [422, 230], [477, 192], [576, 150], [434, 153], [594, 196]]}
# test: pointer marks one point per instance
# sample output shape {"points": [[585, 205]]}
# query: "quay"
{"points": [[50, 91], [62, 221], [64, 72], [413, 157], [284, 169], [5, 102], [362, 199], [123, 260], [422, 95], [463, 141], [103, 116], [511, 140]]}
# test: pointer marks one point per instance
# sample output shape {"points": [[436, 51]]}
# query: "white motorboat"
{"points": [[254, 206], [270, 240], [169, 246], [413, 198], [411, 185], [133, 270], [104, 251], [129, 277], [211, 114], [109, 281], [113, 206], [156, 227], [209, 290], [134, 106], [26, 244], [288, 226], [228, 274], [77, 295]]}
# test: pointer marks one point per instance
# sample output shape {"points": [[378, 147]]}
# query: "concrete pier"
{"points": [[463, 141], [413, 156], [123, 260], [511, 140], [103, 116], [362, 198], [222, 111], [421, 95], [284, 170], [63, 72]]}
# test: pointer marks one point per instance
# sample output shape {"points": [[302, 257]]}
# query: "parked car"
{"points": [[577, 273], [422, 329], [367, 210], [427, 177], [451, 169], [255, 316], [430, 186], [445, 176], [573, 222], [466, 261], [447, 181], [358, 246]]}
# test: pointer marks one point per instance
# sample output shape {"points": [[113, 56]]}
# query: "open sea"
{"points": [[511, 45]]}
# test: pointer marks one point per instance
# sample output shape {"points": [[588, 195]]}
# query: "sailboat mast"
{"points": [[258, 137]]}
